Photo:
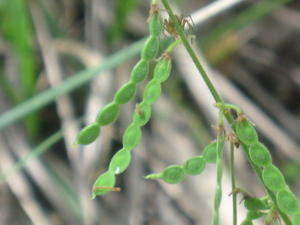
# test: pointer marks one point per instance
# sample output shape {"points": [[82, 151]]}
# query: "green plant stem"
{"points": [[191, 52], [173, 45], [217, 98], [233, 187], [219, 165]]}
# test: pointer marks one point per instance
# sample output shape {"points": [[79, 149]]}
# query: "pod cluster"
{"points": [[271, 175], [256, 208], [132, 135], [110, 112]]}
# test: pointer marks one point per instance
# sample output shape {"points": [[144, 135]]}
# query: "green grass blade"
{"points": [[67, 86]]}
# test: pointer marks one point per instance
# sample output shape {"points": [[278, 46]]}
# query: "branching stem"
{"points": [[216, 96]]}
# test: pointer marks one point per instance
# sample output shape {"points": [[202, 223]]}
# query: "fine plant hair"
{"points": [[279, 203]]}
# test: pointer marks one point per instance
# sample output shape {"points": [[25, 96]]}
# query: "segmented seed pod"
{"points": [[260, 155], [287, 202], [152, 91], [108, 114], [173, 174], [210, 152], [154, 176], [88, 134], [142, 114], [256, 204], [162, 70], [296, 220], [120, 161], [125, 93], [150, 49], [140, 71], [103, 183], [273, 178], [246, 132], [194, 166], [155, 25], [132, 137]]}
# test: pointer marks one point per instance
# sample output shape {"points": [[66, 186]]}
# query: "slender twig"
{"points": [[219, 165], [191, 52], [217, 97], [234, 209]]}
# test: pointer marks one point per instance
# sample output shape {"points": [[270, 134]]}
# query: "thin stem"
{"points": [[217, 97], [173, 45], [191, 52], [233, 187], [219, 164]]}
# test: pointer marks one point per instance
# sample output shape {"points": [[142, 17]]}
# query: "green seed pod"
{"points": [[155, 25], [296, 220], [162, 70], [142, 114], [256, 204], [246, 132], [173, 174], [140, 71], [150, 49], [108, 114], [273, 178], [154, 176], [218, 197], [210, 152], [247, 222], [103, 183], [132, 136], [125, 93], [152, 91], [252, 215], [120, 161], [194, 166], [287, 202], [88, 134], [260, 155]]}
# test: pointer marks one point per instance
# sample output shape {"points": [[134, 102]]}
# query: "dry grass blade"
{"points": [[22, 189]]}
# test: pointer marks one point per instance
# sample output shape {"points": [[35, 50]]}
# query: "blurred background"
{"points": [[61, 61]]}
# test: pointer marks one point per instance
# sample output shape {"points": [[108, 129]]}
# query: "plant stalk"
{"points": [[217, 97], [233, 187]]}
